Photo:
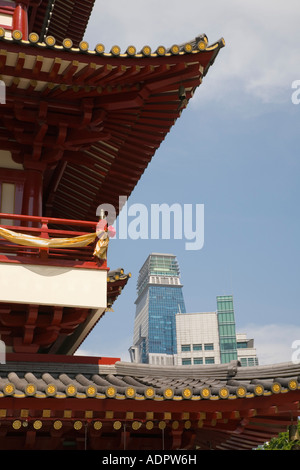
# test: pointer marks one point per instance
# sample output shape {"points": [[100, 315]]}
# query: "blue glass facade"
{"points": [[164, 303], [160, 298]]}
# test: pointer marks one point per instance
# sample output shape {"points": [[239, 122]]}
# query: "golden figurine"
{"points": [[104, 233]]}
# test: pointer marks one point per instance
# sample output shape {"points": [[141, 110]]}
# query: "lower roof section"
{"points": [[198, 407]]}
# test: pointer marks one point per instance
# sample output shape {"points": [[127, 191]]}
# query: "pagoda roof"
{"points": [[217, 407], [95, 119], [61, 18]]}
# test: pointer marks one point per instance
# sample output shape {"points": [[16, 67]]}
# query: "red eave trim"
{"points": [[11, 357]]}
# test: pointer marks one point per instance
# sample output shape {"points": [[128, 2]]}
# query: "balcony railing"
{"points": [[45, 227]]}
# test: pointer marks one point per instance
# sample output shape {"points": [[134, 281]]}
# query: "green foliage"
{"points": [[282, 442]]}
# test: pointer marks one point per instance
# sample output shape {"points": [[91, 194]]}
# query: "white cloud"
{"points": [[274, 343], [261, 57]]}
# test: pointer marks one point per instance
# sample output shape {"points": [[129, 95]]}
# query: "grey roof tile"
{"points": [[28, 379]]}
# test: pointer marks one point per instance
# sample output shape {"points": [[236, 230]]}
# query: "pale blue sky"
{"points": [[235, 149]]}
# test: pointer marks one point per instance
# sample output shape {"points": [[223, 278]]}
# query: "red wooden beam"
{"points": [[56, 358]]}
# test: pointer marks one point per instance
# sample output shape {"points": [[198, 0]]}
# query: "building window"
{"points": [[228, 346], [227, 329], [209, 347], [197, 347], [186, 362], [185, 347], [209, 360], [198, 360], [248, 362], [227, 357]]}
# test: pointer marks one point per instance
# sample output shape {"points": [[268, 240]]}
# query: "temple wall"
{"points": [[53, 285]]}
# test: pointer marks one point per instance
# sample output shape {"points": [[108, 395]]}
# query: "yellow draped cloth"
{"points": [[29, 240], [101, 247], [79, 241]]}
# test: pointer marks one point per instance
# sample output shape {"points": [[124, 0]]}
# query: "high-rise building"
{"points": [[197, 339], [211, 338], [159, 299], [165, 334], [226, 326], [246, 351]]}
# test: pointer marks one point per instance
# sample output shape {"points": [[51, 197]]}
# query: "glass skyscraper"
{"points": [[159, 299], [226, 325]]}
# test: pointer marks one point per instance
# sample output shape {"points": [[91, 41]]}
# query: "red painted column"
{"points": [[32, 196], [20, 19]]}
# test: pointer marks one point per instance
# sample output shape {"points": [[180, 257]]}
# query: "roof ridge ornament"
{"points": [[233, 368]]}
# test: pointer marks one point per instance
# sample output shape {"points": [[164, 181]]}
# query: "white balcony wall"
{"points": [[53, 285]]}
